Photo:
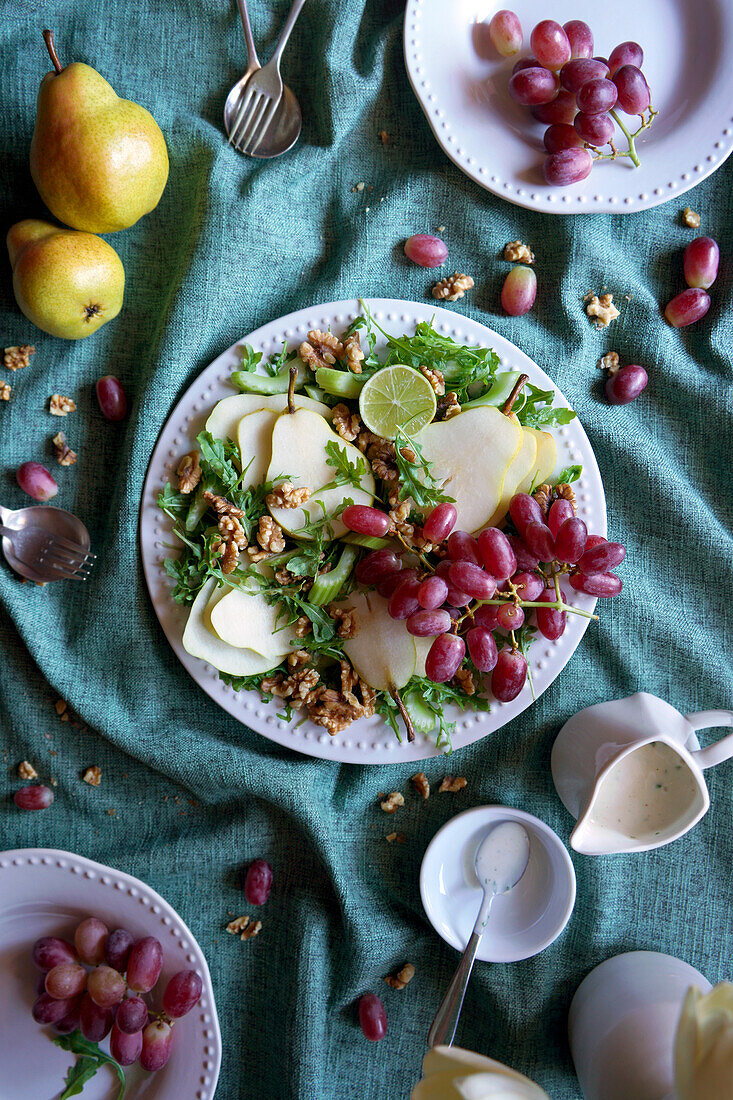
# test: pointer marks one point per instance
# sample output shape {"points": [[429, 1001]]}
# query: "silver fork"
{"points": [[263, 90], [44, 543]]}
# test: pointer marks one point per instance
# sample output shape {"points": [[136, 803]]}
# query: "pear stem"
{"points": [[291, 388], [48, 39], [405, 714], [507, 406]]}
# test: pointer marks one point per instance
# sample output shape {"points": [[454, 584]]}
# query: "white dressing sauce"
{"points": [[645, 792], [502, 857]]}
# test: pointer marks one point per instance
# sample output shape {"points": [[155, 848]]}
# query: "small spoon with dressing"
{"points": [[501, 860]]}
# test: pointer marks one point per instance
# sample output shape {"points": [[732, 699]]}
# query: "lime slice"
{"points": [[397, 397]]}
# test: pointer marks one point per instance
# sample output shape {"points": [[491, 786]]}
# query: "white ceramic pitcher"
{"points": [[585, 769]]}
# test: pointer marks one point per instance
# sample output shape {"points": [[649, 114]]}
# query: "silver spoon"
{"points": [[36, 539], [501, 860], [284, 129]]}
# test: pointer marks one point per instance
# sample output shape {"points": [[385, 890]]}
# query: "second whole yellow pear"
{"points": [[99, 162], [66, 282]]}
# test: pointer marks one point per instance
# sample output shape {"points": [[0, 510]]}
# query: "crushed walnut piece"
{"points": [[244, 927], [17, 357], [221, 505], [464, 679], [545, 495], [421, 784], [383, 137], [285, 495], [189, 472], [452, 783], [232, 531], [60, 405], [270, 535], [26, 770], [435, 378], [347, 619], [61, 706], [321, 349], [365, 439], [399, 837], [93, 775], [256, 555], [601, 310], [610, 362], [297, 687], [334, 710], [518, 253], [346, 423], [353, 352], [253, 929], [402, 978], [299, 658], [5, 391], [447, 407], [302, 626], [392, 802], [64, 454], [452, 287], [229, 555], [381, 455], [691, 218]]}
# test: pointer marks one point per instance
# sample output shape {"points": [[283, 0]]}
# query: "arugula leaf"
{"points": [[570, 473], [537, 409], [248, 358], [175, 504], [90, 1060], [250, 683], [216, 458], [416, 480], [276, 364], [347, 473], [432, 697]]}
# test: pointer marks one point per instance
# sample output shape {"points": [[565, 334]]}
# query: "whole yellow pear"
{"points": [[66, 282], [99, 162]]}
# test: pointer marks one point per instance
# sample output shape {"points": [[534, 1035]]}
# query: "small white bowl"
{"points": [[523, 922]]}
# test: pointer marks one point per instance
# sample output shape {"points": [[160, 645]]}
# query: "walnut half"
{"points": [[452, 287]]}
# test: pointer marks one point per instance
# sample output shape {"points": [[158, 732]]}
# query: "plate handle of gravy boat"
{"points": [[721, 750]]}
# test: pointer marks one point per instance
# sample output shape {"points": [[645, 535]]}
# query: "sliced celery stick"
{"points": [[328, 585], [371, 542], [267, 384], [316, 393], [423, 718], [341, 383], [197, 507], [502, 386]]}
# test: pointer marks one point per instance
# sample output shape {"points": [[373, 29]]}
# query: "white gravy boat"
{"points": [[631, 772]]}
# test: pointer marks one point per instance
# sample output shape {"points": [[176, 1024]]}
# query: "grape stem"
{"points": [[557, 605], [630, 137], [405, 714]]}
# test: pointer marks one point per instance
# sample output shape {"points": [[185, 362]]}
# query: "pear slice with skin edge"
{"points": [[200, 642], [224, 418], [299, 441], [246, 621], [544, 464], [524, 462], [254, 437], [382, 652], [470, 455]]}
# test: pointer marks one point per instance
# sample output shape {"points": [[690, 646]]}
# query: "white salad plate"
{"points": [[523, 921], [44, 892], [461, 83], [369, 741]]}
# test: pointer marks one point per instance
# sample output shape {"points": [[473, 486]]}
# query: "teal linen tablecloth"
{"points": [[188, 796]]}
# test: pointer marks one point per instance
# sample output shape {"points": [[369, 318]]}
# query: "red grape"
{"points": [[463, 547], [597, 130], [551, 623], [66, 980], [392, 581], [561, 136], [49, 951], [440, 522], [403, 601], [144, 964], [94, 1021], [132, 1015], [597, 96], [426, 251], [505, 32], [538, 538], [509, 616], [570, 540], [594, 540], [482, 648], [35, 480], [70, 1022], [528, 585], [577, 73], [497, 553], [432, 593], [550, 44], [523, 510], [444, 658], [531, 87], [633, 91], [580, 37], [365, 520], [377, 565], [599, 559], [258, 883], [117, 949], [687, 307], [49, 1010], [156, 1045], [525, 561], [90, 938], [509, 675], [596, 584], [124, 1047], [486, 616], [182, 993], [106, 986], [455, 597], [526, 63], [519, 291], [472, 579], [701, 262], [566, 167], [626, 53], [560, 510], [372, 1017], [626, 384], [111, 397], [560, 109]]}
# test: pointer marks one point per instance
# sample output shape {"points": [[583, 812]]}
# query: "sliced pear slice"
{"points": [[471, 455], [254, 437], [225, 416], [382, 652], [246, 621], [523, 463], [299, 442], [199, 641], [422, 648], [544, 463]]}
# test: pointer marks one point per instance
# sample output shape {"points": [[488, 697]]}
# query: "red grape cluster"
{"points": [[97, 985], [700, 263], [485, 585], [575, 94]]}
